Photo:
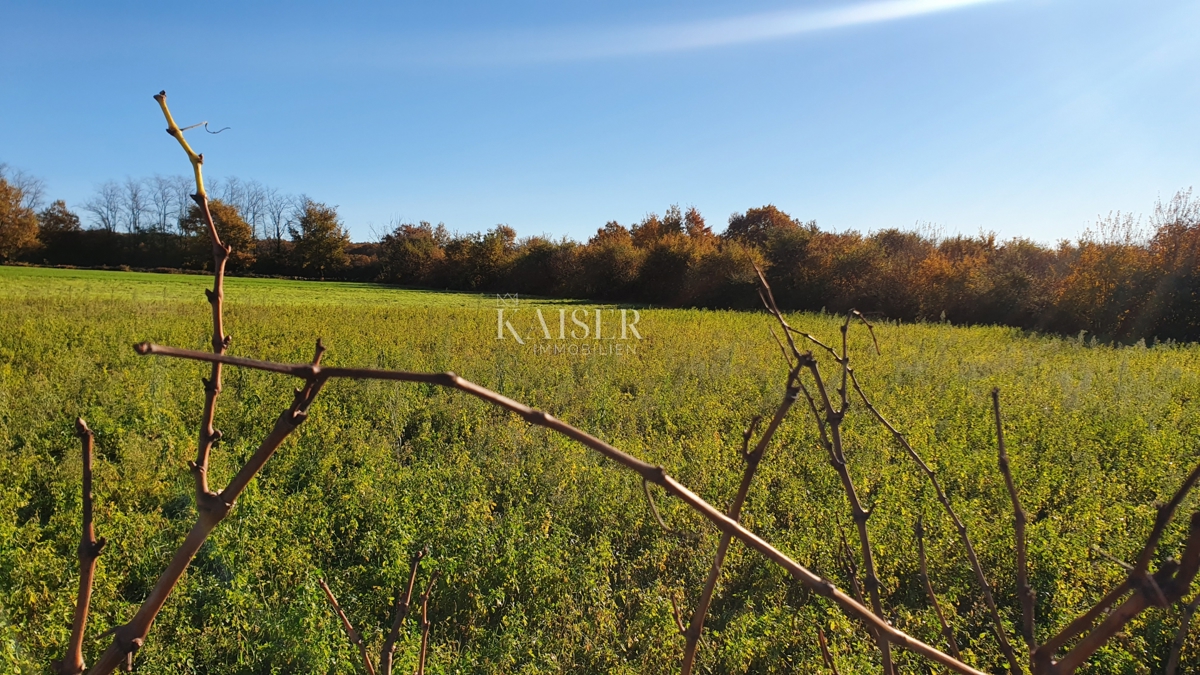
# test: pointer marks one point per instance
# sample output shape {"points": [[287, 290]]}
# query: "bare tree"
{"points": [[105, 206], [252, 206], [166, 202], [33, 189], [278, 214], [135, 205]]}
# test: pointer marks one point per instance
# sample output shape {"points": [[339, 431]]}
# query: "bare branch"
{"points": [[1181, 636], [1141, 583], [403, 603], [425, 624], [1046, 651], [959, 525], [752, 459], [355, 638], [1112, 558], [1024, 589], [1174, 580], [208, 435], [825, 655], [1161, 520], [130, 637], [837, 459], [947, 631], [89, 550]]}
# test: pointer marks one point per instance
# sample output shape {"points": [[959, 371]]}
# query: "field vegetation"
{"points": [[550, 560]]}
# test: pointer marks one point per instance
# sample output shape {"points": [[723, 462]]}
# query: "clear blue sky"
{"points": [[1026, 117]]}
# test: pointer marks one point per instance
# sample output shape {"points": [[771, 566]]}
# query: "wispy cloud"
{"points": [[584, 44]]}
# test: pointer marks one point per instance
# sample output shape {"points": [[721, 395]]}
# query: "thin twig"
{"points": [[355, 638], [947, 631], [825, 655], [959, 525], [425, 624], [88, 551], [677, 615], [1112, 558], [751, 459], [1024, 589], [1181, 636], [403, 602]]}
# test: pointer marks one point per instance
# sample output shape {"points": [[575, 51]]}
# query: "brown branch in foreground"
{"points": [[129, 637], [89, 550], [649, 472], [1181, 636], [355, 638], [837, 459], [947, 631], [1172, 580], [752, 459], [425, 624], [403, 603], [208, 435], [1024, 589], [825, 655], [959, 526], [833, 443], [1147, 589]]}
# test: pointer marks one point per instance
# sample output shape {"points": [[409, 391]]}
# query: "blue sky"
{"points": [[1024, 117]]}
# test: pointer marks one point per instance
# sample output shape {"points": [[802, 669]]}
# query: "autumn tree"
{"points": [[232, 229], [410, 253], [57, 219], [18, 222], [319, 238], [756, 226]]}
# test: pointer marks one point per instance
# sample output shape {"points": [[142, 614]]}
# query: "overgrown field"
{"points": [[551, 560]]}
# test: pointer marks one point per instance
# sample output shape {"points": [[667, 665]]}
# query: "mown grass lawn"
{"points": [[551, 560]]}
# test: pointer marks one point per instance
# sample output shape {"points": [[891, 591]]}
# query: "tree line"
{"points": [[1125, 279]]}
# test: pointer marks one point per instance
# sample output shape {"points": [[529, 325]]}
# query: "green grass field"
{"points": [[551, 560]]}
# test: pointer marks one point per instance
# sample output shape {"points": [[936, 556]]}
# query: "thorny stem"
{"points": [[89, 550], [1024, 589], [959, 525], [947, 631]]}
